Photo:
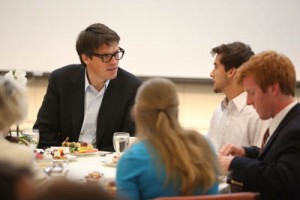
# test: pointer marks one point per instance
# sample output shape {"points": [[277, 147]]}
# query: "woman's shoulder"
{"points": [[138, 148], [9, 148], [16, 154], [137, 151]]}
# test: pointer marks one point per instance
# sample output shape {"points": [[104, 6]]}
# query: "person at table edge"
{"points": [[92, 100], [272, 170]]}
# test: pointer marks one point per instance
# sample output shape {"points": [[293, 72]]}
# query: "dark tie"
{"points": [[265, 138]]}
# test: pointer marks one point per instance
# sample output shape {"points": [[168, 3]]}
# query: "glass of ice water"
{"points": [[33, 137], [120, 141]]}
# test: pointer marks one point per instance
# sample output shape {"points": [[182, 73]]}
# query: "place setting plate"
{"points": [[109, 163], [88, 152], [111, 159]]}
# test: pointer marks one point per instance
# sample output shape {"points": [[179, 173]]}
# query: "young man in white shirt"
{"points": [[233, 122]]}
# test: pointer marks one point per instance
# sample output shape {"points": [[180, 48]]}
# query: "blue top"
{"points": [[138, 178]]}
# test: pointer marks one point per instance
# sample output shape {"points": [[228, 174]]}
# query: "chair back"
{"points": [[231, 196]]}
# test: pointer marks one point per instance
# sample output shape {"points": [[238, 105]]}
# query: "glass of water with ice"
{"points": [[120, 141], [33, 136]]}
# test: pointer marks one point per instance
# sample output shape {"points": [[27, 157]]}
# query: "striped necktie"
{"points": [[265, 138]]}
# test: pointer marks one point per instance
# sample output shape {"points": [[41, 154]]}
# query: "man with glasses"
{"points": [[90, 101]]}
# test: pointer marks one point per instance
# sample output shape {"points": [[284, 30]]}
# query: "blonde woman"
{"points": [[13, 109], [167, 160]]}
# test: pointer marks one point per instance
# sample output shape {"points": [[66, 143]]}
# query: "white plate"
{"points": [[109, 163], [59, 161], [68, 158], [65, 149], [71, 157], [85, 153]]}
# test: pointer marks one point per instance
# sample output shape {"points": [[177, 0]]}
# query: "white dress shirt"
{"points": [[236, 123], [92, 103]]}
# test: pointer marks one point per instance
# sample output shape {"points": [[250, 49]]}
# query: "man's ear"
{"points": [[231, 72], [275, 89], [85, 58]]}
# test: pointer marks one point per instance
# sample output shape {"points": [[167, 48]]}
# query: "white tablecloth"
{"points": [[77, 169]]}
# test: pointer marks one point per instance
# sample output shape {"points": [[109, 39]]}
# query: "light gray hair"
{"points": [[13, 103]]}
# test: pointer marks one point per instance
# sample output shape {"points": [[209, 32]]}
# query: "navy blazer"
{"points": [[62, 111], [275, 173]]}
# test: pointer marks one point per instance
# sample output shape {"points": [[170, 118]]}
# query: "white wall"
{"points": [[170, 38]]}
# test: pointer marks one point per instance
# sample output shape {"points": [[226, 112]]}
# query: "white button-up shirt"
{"points": [[236, 123], [93, 101]]}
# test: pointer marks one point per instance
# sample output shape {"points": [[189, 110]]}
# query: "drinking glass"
{"points": [[33, 136], [120, 141]]}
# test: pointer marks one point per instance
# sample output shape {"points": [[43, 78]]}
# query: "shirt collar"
{"points": [[239, 101], [279, 117], [87, 83]]}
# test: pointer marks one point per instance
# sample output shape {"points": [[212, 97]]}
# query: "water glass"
{"points": [[33, 137], [120, 141], [58, 165]]}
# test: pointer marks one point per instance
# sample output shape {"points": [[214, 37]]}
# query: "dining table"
{"points": [[79, 166]]}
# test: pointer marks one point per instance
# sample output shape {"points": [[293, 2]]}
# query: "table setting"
{"points": [[77, 167], [92, 166], [82, 162]]}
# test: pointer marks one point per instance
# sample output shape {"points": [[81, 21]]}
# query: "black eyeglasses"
{"points": [[106, 58]]}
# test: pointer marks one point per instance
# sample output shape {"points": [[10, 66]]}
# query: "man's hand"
{"points": [[233, 150], [224, 163]]}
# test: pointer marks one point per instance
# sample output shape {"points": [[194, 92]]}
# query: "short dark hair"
{"points": [[233, 55], [93, 37]]}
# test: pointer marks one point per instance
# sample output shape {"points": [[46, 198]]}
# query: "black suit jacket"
{"points": [[62, 111], [275, 173]]}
